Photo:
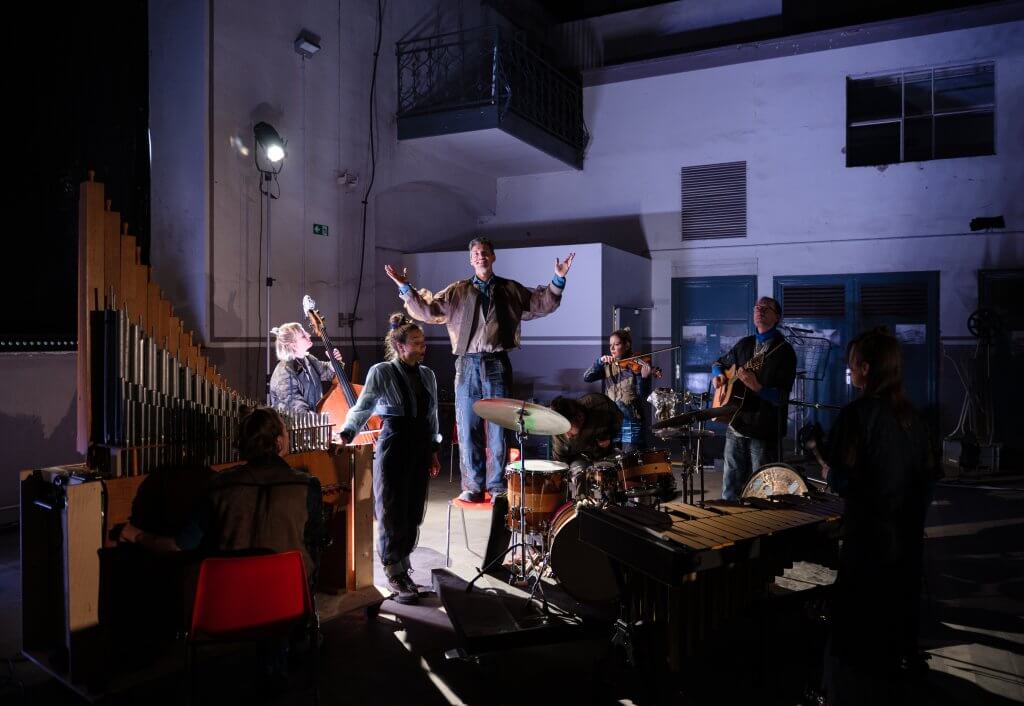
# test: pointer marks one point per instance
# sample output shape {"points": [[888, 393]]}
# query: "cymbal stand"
{"points": [[521, 435], [696, 454]]}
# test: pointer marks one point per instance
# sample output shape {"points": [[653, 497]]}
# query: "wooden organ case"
{"points": [[149, 401]]}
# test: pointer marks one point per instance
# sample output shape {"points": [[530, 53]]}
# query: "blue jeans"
{"points": [[479, 376], [743, 456]]}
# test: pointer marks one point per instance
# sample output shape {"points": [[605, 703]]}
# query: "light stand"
{"points": [[270, 147]]}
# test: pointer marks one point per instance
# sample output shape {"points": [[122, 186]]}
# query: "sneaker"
{"points": [[406, 592], [468, 496], [495, 495]]}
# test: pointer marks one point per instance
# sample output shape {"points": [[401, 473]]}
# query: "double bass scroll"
{"points": [[343, 393]]}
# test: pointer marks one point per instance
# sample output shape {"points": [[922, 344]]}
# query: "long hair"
{"points": [[399, 328], [287, 335], [258, 433], [881, 351], [625, 337]]}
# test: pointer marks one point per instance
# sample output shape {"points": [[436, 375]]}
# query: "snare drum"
{"points": [[584, 572], [547, 488]]}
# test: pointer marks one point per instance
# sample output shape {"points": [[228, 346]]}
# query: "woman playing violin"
{"points": [[623, 382], [296, 385]]}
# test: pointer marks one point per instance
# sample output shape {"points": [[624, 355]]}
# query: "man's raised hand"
{"points": [[396, 277], [562, 266]]}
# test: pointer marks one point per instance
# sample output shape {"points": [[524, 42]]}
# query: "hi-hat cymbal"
{"points": [[683, 433], [688, 418], [537, 419]]}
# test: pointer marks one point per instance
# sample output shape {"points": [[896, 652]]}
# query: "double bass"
{"points": [[343, 394]]}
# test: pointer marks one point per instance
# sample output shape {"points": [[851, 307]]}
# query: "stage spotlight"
{"points": [[269, 142]]}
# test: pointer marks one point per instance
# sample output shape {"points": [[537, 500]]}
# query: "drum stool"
{"points": [[463, 505]]}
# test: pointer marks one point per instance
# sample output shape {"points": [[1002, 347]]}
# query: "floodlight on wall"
{"points": [[268, 142], [269, 157], [307, 44]]}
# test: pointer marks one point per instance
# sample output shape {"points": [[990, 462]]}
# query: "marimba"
{"points": [[689, 569]]}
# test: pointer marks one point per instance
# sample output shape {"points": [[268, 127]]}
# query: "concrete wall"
{"points": [[180, 154], [241, 68], [37, 418], [807, 212]]}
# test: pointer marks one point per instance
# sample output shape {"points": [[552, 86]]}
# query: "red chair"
{"points": [[251, 598]]}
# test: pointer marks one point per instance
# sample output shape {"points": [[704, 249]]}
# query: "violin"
{"points": [[635, 363]]}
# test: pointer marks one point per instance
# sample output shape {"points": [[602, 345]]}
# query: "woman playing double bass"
{"points": [[296, 384]]}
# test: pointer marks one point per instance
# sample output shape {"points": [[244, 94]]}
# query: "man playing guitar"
{"points": [[760, 369]]}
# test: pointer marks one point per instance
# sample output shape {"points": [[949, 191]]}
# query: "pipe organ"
{"points": [[148, 400]]}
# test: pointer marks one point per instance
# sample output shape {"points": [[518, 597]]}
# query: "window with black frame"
{"points": [[912, 116]]}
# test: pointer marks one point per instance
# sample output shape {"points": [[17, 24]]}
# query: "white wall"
{"points": [[557, 348], [807, 213]]}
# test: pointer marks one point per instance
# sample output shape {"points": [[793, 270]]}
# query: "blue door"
{"points": [[709, 314], [839, 307]]}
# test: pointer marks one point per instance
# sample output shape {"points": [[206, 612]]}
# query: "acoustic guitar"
{"points": [[733, 391]]}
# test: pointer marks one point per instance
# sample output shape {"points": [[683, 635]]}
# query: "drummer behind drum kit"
{"points": [[542, 511], [542, 514]]}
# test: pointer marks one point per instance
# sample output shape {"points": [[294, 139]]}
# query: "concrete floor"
{"points": [[972, 628]]}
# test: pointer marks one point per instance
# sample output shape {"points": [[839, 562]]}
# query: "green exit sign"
{"points": [[319, 229]]}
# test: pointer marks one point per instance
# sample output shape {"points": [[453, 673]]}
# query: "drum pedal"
{"points": [[460, 654], [622, 636]]}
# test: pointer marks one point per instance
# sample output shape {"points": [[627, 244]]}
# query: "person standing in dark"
{"points": [[882, 462], [766, 365], [483, 315], [403, 393]]}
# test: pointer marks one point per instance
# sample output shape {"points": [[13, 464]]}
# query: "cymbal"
{"points": [[683, 433], [688, 418], [537, 419]]}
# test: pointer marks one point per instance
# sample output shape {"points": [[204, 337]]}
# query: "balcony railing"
{"points": [[487, 67]]}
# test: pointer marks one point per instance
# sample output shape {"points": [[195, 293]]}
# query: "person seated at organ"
{"points": [[596, 422], [264, 504]]}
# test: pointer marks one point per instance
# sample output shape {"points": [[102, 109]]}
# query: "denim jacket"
{"points": [[383, 396]]}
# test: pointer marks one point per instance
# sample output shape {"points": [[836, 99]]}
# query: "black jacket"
{"points": [[884, 470], [760, 418]]}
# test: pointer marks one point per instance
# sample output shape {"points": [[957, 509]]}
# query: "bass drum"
{"points": [[584, 572], [775, 479]]}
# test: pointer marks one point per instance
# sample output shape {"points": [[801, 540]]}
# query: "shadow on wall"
{"points": [[424, 216], [29, 447], [629, 233]]}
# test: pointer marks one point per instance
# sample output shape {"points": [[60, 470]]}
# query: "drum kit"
{"points": [[544, 495]]}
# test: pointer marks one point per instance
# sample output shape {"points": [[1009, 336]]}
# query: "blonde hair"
{"points": [[287, 335], [399, 328]]}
